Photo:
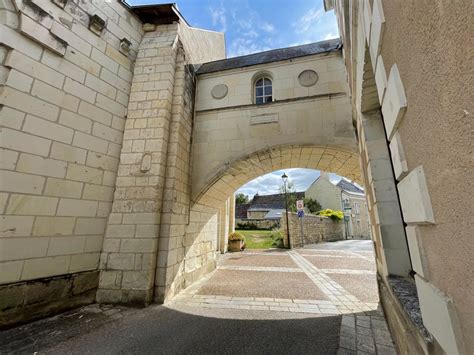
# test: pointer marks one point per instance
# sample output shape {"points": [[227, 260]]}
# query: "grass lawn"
{"points": [[260, 239]]}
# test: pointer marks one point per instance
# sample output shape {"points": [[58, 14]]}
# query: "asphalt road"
{"points": [[159, 330]]}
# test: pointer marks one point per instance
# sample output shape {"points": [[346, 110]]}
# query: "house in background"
{"points": [[264, 211], [343, 196]]}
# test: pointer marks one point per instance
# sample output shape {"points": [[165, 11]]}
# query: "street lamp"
{"points": [[285, 180]]}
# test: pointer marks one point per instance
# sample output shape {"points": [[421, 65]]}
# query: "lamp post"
{"points": [[285, 180]]}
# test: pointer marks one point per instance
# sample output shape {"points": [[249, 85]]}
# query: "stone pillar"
{"points": [[176, 200], [231, 214], [128, 260]]}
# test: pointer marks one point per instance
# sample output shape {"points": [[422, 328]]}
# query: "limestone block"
{"points": [[415, 198], [77, 89], [104, 162], [47, 129], [439, 316], [15, 40], [138, 245], [120, 261], [16, 226], [84, 262], [34, 68], [68, 153], [114, 80], [394, 103], [65, 67], [376, 31], [400, 166], [380, 78], [21, 101], [71, 38], [66, 245], [79, 60], [10, 272], [415, 246], [89, 226], [110, 105], [22, 248], [53, 226], [120, 231], [44, 267], [84, 173], [32, 205], [90, 142], [107, 133], [41, 35], [76, 208], [34, 164], [15, 182], [97, 192], [95, 113], [19, 81], [94, 243], [11, 118], [100, 86], [367, 19], [137, 280], [104, 60]]}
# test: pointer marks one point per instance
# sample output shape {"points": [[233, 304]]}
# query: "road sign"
{"points": [[300, 213], [300, 205]]}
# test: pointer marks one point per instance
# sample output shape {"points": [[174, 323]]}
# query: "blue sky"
{"points": [[257, 25]]}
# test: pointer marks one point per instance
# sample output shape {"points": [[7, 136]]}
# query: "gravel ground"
{"points": [[261, 284], [364, 287], [258, 260]]}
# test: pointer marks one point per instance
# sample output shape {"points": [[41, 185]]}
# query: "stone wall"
{"points": [[259, 223], [316, 229], [63, 96]]}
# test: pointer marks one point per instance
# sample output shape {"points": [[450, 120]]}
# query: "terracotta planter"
{"points": [[236, 245]]}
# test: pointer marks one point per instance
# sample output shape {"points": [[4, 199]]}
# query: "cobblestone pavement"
{"points": [[273, 301], [345, 286]]}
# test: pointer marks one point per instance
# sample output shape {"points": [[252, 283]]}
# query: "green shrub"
{"points": [[236, 236], [277, 238], [334, 215]]}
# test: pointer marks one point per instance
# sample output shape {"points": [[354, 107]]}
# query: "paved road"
{"points": [[314, 300]]}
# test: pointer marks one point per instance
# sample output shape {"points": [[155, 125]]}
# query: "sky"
{"points": [[258, 25]]}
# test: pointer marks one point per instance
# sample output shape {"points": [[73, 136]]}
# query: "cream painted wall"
{"points": [[225, 132]]}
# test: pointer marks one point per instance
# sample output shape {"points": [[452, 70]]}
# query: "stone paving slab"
{"points": [[343, 263], [259, 268], [261, 284]]}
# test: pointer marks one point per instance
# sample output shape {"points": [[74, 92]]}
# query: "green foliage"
{"points": [[312, 205], [259, 239], [334, 215], [241, 198], [236, 236]]}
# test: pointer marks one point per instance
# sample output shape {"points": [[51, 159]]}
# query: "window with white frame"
{"points": [[263, 90], [356, 208]]}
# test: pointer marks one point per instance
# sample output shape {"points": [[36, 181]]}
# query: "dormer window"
{"points": [[263, 90]]}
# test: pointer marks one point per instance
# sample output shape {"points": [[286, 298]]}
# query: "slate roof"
{"points": [[349, 187], [274, 55], [275, 201], [274, 214]]}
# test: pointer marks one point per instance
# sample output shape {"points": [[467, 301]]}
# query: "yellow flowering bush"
{"points": [[334, 215]]}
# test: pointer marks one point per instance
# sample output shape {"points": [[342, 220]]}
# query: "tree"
{"points": [[291, 192], [241, 198], [312, 205]]}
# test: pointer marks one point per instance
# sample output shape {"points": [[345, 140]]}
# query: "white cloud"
{"points": [[309, 20], [267, 27], [331, 35], [218, 16]]}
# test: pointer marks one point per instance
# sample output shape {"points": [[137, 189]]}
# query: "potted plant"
{"points": [[236, 242]]}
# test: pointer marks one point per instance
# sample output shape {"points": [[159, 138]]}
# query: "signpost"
{"points": [[300, 210]]}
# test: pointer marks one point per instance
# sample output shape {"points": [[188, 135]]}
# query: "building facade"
{"points": [[126, 132], [343, 196]]}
